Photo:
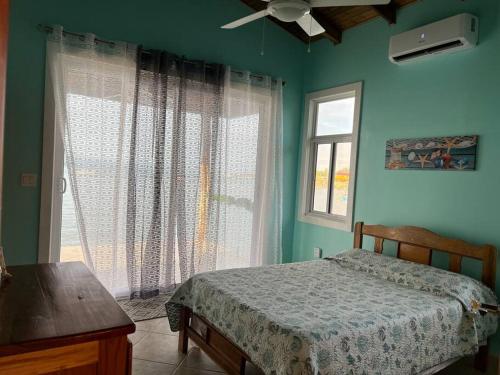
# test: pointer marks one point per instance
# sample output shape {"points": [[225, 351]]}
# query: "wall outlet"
{"points": [[317, 252]]}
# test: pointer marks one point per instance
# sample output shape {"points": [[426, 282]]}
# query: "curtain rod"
{"points": [[49, 29]]}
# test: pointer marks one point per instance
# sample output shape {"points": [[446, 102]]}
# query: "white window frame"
{"points": [[312, 100]]}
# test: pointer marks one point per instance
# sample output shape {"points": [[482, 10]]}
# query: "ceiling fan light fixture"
{"points": [[288, 10]]}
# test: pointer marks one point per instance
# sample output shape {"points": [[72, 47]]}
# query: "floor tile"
{"points": [[158, 347], [199, 360], [192, 344], [145, 325], [193, 371], [137, 336], [141, 367], [161, 325]]}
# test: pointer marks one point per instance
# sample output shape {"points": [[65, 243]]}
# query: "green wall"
{"points": [[447, 95], [184, 27]]}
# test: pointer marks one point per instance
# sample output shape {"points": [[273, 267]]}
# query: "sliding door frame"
{"points": [[4, 38], [53, 184]]}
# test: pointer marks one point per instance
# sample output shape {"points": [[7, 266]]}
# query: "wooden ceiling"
{"points": [[337, 19]]}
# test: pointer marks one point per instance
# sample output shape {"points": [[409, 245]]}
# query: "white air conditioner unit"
{"points": [[452, 34]]}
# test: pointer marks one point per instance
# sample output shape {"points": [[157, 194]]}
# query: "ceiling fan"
{"points": [[299, 11]]}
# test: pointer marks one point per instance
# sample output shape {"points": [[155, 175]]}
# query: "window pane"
{"points": [[340, 184], [321, 177], [335, 117]]}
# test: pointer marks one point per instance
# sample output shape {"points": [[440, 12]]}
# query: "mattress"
{"points": [[357, 313]]}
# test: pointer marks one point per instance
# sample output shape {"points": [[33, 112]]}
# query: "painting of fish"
{"points": [[457, 153]]}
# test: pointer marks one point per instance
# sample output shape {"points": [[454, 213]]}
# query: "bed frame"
{"points": [[413, 244]]}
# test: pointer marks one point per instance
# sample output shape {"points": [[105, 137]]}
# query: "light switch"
{"points": [[28, 180]]}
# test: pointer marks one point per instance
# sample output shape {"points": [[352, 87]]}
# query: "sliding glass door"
{"points": [[59, 239]]}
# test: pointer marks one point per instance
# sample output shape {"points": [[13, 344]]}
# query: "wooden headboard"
{"points": [[416, 245]]}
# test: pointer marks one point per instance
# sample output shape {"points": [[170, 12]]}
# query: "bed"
{"points": [[359, 312]]}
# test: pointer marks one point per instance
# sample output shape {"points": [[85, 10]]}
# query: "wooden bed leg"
{"points": [[243, 365], [481, 359], [183, 333]]}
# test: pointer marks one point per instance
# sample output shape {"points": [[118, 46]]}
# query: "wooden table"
{"points": [[57, 318]]}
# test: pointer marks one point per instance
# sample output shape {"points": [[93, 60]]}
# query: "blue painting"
{"points": [[438, 153]]}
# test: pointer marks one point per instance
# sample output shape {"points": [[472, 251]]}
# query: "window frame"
{"points": [[306, 212]]}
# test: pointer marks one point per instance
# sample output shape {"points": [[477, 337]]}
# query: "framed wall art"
{"points": [[456, 153]]}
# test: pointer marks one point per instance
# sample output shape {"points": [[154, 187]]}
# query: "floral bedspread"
{"points": [[357, 313]]}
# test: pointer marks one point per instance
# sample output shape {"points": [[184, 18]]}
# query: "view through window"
{"points": [[332, 148], [330, 152]]}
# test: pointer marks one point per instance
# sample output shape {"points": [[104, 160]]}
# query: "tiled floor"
{"points": [[155, 353]]}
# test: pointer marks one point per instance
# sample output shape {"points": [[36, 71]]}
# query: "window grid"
{"points": [[333, 140], [337, 160]]}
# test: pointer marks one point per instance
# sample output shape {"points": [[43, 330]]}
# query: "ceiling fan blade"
{"points": [[310, 25], [247, 19], [339, 3]]}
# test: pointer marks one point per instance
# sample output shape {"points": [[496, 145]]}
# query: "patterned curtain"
{"points": [[205, 172], [175, 171]]}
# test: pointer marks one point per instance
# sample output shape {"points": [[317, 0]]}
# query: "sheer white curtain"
{"points": [[93, 86], [175, 166], [251, 212]]}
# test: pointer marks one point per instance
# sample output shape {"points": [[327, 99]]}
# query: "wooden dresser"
{"points": [[58, 319]]}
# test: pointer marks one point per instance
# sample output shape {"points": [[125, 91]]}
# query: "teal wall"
{"points": [[447, 95], [188, 28]]}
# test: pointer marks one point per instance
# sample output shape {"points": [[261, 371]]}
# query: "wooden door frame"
{"points": [[4, 36]]}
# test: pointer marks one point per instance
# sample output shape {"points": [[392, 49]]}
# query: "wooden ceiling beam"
{"points": [[331, 31], [388, 12], [335, 20]]}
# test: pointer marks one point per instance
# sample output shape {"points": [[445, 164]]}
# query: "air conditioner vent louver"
{"points": [[449, 35], [429, 51]]}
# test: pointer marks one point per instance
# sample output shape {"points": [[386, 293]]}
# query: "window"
{"points": [[329, 156]]}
